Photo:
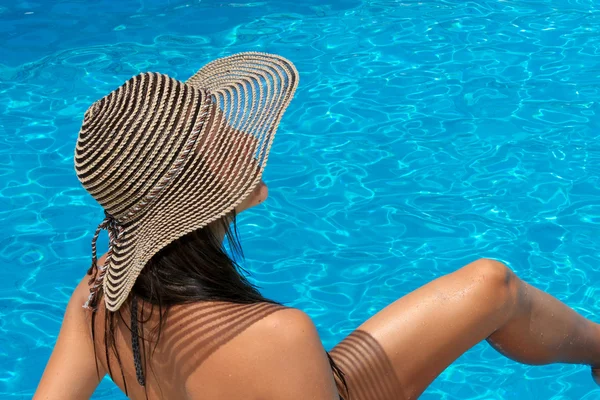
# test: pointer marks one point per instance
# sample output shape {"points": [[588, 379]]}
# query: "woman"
{"points": [[169, 316]]}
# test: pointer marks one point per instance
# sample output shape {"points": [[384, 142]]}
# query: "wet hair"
{"points": [[196, 267]]}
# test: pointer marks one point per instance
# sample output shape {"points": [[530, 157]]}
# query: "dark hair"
{"points": [[193, 268]]}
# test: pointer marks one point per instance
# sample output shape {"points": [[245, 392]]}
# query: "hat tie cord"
{"points": [[115, 230]]}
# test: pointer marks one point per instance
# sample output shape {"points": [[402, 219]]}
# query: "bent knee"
{"points": [[493, 271], [498, 281]]}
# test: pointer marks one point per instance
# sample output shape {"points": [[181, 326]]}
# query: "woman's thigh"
{"points": [[399, 351]]}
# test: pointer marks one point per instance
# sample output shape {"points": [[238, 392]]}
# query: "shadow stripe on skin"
{"points": [[367, 369]]}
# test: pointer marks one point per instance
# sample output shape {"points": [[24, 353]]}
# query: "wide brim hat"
{"points": [[164, 157]]}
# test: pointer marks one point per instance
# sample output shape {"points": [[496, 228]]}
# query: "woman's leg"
{"points": [[399, 351]]}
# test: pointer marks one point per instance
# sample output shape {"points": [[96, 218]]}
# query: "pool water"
{"points": [[423, 135]]}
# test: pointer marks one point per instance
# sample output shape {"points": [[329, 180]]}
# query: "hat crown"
{"points": [[133, 139]]}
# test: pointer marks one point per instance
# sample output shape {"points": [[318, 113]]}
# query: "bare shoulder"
{"points": [[292, 358], [279, 355]]}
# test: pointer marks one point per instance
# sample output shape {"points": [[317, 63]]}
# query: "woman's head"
{"points": [[165, 158]]}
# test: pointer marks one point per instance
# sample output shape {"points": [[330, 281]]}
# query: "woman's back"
{"points": [[206, 350]]}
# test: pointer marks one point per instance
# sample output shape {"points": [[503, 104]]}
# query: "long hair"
{"points": [[193, 268]]}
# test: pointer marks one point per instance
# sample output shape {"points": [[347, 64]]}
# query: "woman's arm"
{"points": [[71, 371]]}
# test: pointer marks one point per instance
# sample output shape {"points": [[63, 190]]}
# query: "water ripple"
{"points": [[423, 135]]}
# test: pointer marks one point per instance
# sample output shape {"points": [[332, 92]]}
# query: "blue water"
{"points": [[423, 135]]}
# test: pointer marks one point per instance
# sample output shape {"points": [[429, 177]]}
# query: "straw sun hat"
{"points": [[164, 157]]}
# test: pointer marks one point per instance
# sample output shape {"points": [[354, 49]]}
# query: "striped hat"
{"points": [[165, 158]]}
